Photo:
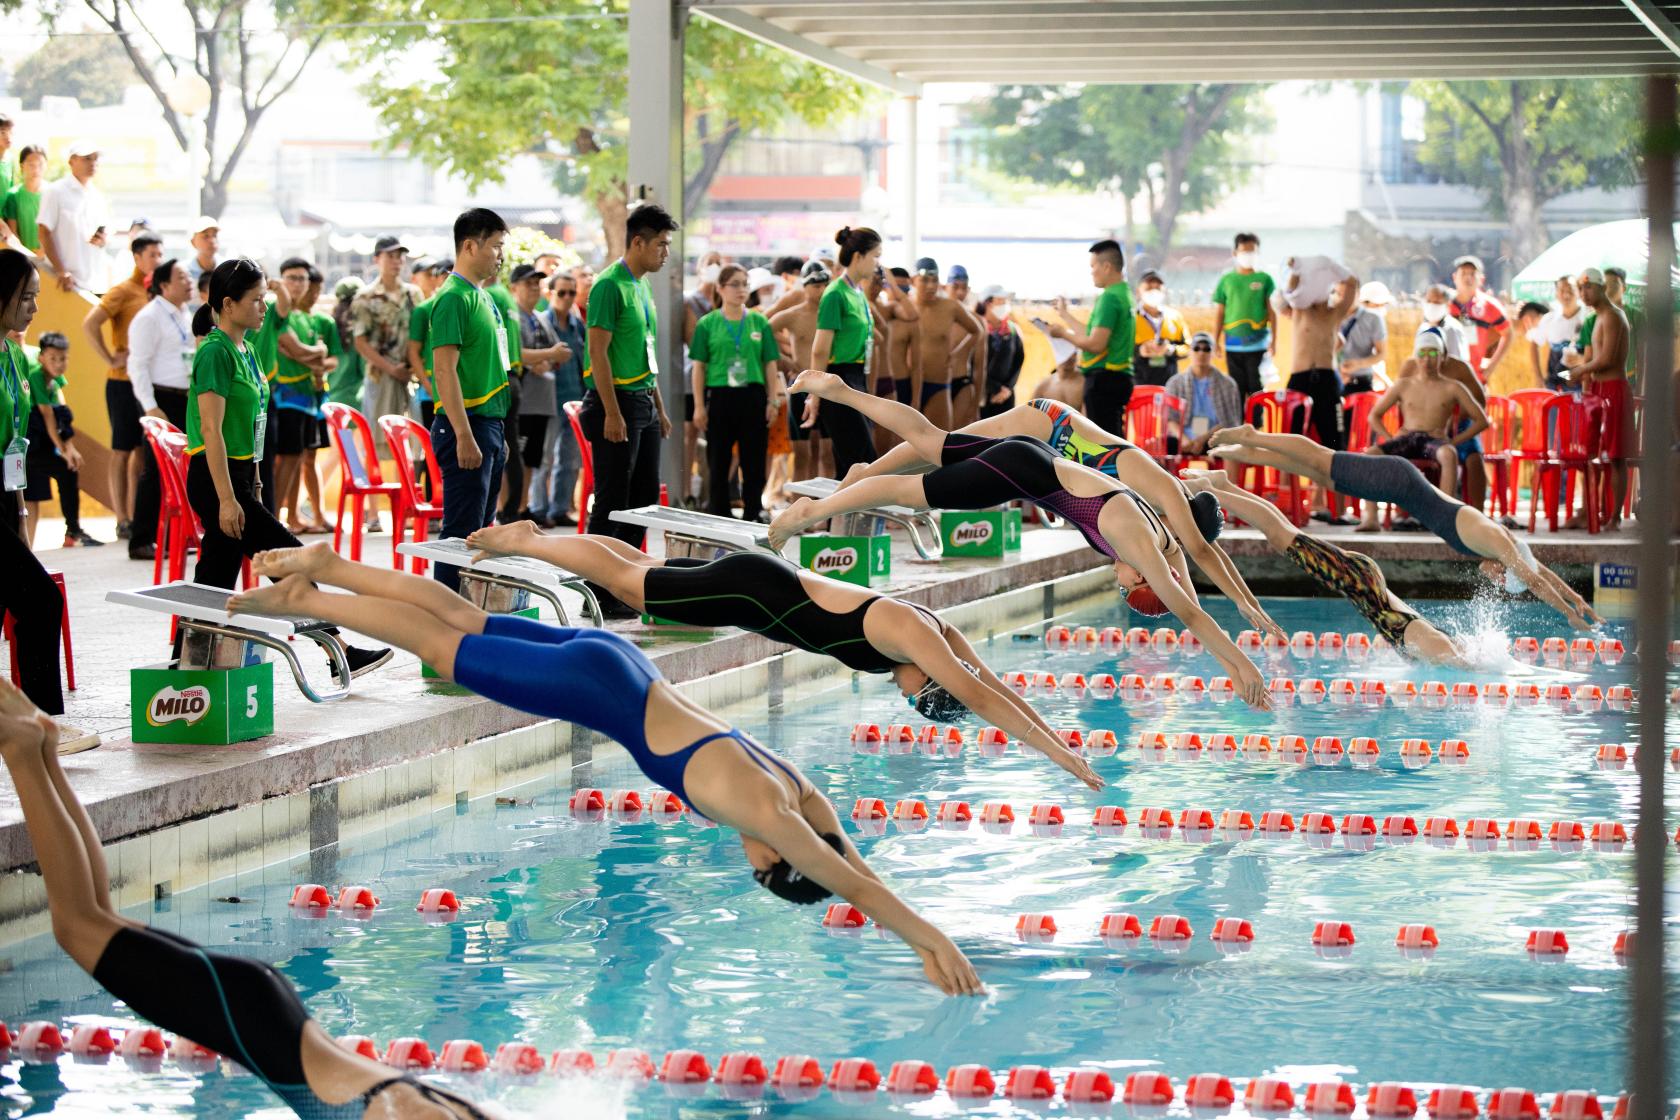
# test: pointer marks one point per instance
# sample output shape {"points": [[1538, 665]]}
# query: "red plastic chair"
{"points": [[586, 460], [410, 442], [64, 632], [1146, 419], [359, 476], [1356, 412], [1277, 412], [178, 529], [1526, 439], [1496, 452], [1576, 425]]}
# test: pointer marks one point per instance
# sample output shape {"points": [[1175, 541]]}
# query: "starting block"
{"points": [[873, 522], [499, 584], [700, 536]]}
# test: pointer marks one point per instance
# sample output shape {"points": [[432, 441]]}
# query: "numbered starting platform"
{"points": [[497, 584], [700, 536], [873, 522]]}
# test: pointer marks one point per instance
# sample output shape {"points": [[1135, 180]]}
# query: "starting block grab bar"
{"points": [[200, 609], [912, 521], [517, 573]]}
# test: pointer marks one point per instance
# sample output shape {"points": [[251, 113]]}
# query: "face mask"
{"points": [[1151, 297], [710, 273], [1434, 312], [1001, 308], [1245, 259]]}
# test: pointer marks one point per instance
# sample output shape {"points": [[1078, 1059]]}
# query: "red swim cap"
{"points": [[1144, 601]]}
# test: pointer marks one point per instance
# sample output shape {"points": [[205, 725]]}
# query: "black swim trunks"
{"points": [[1412, 445]]}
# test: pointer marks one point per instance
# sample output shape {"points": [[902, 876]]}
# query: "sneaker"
{"points": [[142, 552], [75, 740], [365, 660], [78, 538], [564, 521], [611, 608], [122, 530]]}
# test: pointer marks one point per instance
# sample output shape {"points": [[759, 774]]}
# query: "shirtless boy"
{"points": [[796, 329], [939, 318]]}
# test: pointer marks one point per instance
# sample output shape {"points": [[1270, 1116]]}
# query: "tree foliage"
{"points": [[1181, 148], [90, 68], [1523, 143], [552, 80]]}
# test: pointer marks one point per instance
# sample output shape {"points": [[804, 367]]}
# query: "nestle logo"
{"points": [[972, 532], [190, 704], [834, 560]]}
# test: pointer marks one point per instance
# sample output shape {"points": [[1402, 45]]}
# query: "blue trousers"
{"points": [[469, 496]]}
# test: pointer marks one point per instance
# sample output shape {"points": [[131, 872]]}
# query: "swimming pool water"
{"points": [[601, 935]]}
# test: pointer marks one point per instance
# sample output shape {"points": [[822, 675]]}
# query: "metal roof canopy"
{"points": [[901, 45]]}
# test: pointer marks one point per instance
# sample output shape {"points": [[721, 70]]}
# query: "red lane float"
{"points": [[462, 1055], [1151, 1089], [1120, 926], [1332, 934], [1209, 1090], [854, 1075], [684, 1067], [437, 900], [408, 1053], [912, 1078]]}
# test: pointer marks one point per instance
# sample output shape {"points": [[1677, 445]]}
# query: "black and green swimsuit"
{"points": [[764, 594]]}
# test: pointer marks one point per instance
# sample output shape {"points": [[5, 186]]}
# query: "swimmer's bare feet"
{"points": [[817, 383], [1235, 452], [791, 521], [311, 560], [283, 598], [1237, 433], [504, 540], [1366, 527], [1199, 480]]}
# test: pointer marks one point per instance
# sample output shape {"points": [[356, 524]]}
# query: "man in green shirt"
{"points": [[1105, 340], [623, 416], [470, 363], [1242, 303], [6, 175], [20, 205]]}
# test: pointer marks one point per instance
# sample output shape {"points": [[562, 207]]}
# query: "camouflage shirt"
{"points": [[382, 319]]}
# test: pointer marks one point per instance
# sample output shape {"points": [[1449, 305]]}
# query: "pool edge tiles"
{"points": [[246, 838]]}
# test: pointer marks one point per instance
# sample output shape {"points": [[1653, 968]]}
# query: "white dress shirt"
{"points": [[160, 350], [73, 212]]}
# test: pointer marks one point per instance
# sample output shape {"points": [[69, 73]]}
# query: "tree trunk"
{"points": [[609, 200], [712, 151], [212, 197], [1527, 229]]}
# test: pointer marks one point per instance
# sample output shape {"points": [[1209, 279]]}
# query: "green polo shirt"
{"points": [[1246, 297], [15, 401], [467, 317], [622, 304], [230, 372], [43, 389], [510, 322], [845, 311], [735, 353], [1114, 311], [265, 342], [23, 207]]}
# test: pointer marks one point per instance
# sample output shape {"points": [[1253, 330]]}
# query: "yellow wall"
{"points": [[63, 311]]}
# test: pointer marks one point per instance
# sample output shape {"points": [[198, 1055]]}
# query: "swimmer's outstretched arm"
{"points": [[1488, 538]]}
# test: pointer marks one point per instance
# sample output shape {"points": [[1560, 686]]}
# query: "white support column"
{"points": [[656, 175], [912, 201]]}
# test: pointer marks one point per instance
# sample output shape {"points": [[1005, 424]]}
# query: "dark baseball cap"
{"points": [[958, 272], [523, 272], [422, 264], [389, 244], [1200, 338], [814, 273], [927, 266]]}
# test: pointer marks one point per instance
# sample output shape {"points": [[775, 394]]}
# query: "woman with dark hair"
{"points": [[239, 1007], [977, 473], [599, 680], [1005, 351], [226, 420], [27, 593], [738, 390], [845, 338]]}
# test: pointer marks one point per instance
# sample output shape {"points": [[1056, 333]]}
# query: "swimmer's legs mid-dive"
{"points": [[1286, 452], [602, 560], [915, 429], [888, 490]]}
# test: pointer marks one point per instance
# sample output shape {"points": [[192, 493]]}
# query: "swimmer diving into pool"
{"points": [[977, 473], [240, 1008], [1076, 438], [929, 659], [790, 832], [1384, 478], [1352, 575]]}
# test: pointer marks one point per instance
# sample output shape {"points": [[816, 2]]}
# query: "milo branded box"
{"points": [[209, 707], [860, 560], [985, 532]]}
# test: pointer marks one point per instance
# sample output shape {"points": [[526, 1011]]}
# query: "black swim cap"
{"points": [[935, 701], [784, 880], [1210, 519]]}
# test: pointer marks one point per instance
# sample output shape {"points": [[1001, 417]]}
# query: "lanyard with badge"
{"points": [[650, 329], [189, 349], [14, 474], [259, 426], [501, 324], [737, 374]]}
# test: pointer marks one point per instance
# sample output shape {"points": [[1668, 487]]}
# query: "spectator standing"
{"points": [[1242, 306], [20, 206], [118, 307], [623, 414], [796, 329], [299, 387], [512, 490], [1615, 288], [53, 456], [1602, 373], [540, 351], [843, 345], [344, 386], [697, 304], [428, 276], [585, 277], [788, 269], [1490, 331], [1363, 341], [1558, 330], [160, 354], [1106, 340], [1318, 295], [566, 455], [956, 284], [379, 320], [1005, 350], [970, 380], [7, 177], [738, 389], [1211, 400], [205, 238], [1161, 339], [72, 220], [470, 363]]}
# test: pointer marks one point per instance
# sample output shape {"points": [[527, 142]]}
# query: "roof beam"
{"points": [[1656, 22], [766, 32]]}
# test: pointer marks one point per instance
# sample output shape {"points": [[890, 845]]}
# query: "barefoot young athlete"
{"points": [[594, 678], [929, 659], [241, 1008], [1382, 478], [977, 473], [1195, 522], [1353, 575]]}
